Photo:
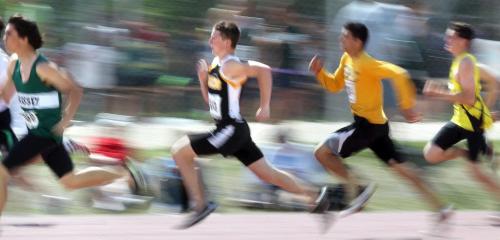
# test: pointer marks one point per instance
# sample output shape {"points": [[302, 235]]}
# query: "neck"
{"points": [[458, 53], [225, 54], [26, 56], [356, 53]]}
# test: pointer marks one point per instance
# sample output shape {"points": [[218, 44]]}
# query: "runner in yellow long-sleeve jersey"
{"points": [[361, 75]]}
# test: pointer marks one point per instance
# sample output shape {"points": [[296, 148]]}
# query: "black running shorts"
{"points": [[53, 154], [360, 135], [230, 138], [450, 134]]}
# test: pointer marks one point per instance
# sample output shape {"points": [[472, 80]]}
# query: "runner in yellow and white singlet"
{"points": [[471, 114]]}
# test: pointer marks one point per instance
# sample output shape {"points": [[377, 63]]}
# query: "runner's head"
{"points": [[224, 37], [458, 37], [21, 33], [354, 37]]}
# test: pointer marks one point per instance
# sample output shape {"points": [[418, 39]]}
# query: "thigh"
{"points": [[200, 144], [385, 149], [476, 142], [449, 135], [58, 160], [348, 140], [5, 119], [7, 137], [225, 139], [248, 153], [26, 149]]}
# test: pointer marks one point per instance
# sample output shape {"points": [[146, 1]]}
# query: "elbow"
{"points": [[469, 101], [265, 67], [265, 70], [77, 91]]}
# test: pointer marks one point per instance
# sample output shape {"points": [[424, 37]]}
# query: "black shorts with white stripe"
{"points": [[229, 139], [361, 135]]}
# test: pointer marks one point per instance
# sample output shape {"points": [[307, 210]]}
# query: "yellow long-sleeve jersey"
{"points": [[361, 77]]}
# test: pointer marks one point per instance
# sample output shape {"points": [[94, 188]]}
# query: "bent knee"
{"points": [[68, 182], [182, 152], [432, 153], [321, 152], [180, 145], [177, 146]]}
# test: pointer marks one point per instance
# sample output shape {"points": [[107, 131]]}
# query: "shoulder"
{"points": [[469, 59], [47, 70], [387, 67], [46, 67], [467, 62], [232, 64]]}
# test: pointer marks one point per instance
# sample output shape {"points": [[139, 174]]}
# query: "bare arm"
{"points": [[63, 82], [262, 72], [465, 77], [202, 69]]}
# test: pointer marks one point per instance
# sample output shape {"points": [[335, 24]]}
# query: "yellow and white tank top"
{"points": [[460, 116]]}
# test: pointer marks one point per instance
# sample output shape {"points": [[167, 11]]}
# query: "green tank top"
{"points": [[41, 104]]}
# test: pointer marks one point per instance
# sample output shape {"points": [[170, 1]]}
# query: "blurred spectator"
{"points": [[144, 56], [92, 60]]}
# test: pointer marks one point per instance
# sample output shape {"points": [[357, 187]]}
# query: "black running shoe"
{"points": [[197, 217], [360, 201], [322, 202], [444, 214], [139, 180]]}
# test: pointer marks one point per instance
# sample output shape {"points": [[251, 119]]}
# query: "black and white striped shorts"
{"points": [[229, 139]]}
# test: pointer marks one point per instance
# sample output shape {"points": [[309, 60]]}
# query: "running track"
{"points": [[242, 226]]}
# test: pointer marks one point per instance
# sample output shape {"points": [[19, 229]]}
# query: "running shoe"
{"points": [[198, 216]]}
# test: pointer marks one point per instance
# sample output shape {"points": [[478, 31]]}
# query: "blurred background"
{"points": [[136, 60]]}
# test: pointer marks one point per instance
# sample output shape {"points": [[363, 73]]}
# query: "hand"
{"points": [[432, 88], [59, 128], [316, 64], [411, 115], [263, 114], [202, 69]]}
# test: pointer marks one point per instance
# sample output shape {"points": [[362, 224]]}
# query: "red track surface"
{"points": [[258, 225]]}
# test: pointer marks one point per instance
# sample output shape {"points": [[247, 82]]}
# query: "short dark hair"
{"points": [[2, 25], [463, 30], [229, 30], [358, 30], [27, 28]]}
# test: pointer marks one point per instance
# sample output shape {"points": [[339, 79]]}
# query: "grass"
{"points": [[224, 178]]}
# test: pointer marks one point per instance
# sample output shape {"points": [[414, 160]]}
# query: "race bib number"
{"points": [[214, 104], [350, 88], [350, 83], [31, 119]]}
